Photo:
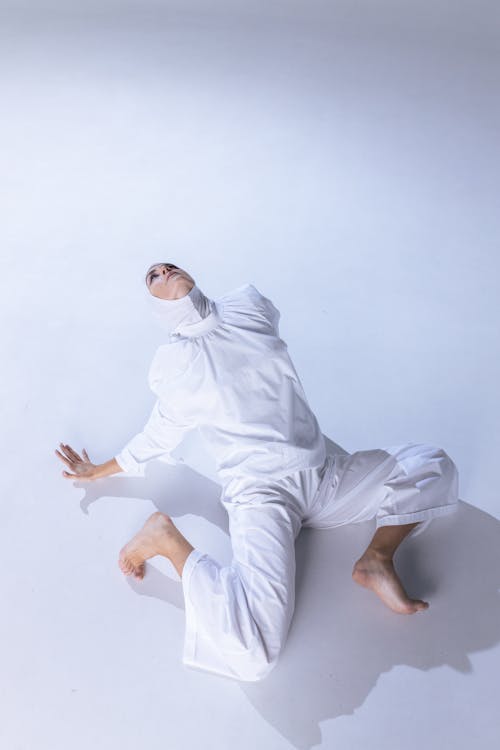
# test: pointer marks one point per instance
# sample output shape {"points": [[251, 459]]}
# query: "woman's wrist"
{"points": [[106, 469]]}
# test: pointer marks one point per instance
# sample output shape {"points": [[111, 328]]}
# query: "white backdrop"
{"points": [[343, 157]]}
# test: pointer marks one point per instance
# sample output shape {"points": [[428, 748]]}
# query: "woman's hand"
{"points": [[83, 468]]}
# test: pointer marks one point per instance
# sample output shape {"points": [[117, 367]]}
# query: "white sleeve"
{"points": [[160, 435]]}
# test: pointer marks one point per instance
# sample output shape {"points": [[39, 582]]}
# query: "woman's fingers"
{"points": [[73, 461], [71, 453], [66, 460], [63, 449], [81, 478]]}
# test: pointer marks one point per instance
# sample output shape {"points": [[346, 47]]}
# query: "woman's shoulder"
{"points": [[246, 293], [241, 292], [246, 300]]}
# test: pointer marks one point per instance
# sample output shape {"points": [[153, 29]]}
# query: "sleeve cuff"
{"points": [[119, 460], [128, 463]]}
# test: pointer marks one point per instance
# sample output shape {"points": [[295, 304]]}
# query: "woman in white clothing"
{"points": [[225, 371]]}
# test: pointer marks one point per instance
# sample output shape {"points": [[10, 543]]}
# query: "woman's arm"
{"points": [[159, 436]]}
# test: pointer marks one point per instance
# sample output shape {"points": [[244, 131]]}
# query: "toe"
{"points": [[140, 571], [126, 567]]}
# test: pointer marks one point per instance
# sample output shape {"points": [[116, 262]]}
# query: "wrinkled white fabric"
{"points": [[238, 616], [398, 484], [170, 314], [229, 376]]}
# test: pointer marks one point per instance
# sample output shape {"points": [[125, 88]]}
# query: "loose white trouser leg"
{"points": [[238, 616], [401, 484]]}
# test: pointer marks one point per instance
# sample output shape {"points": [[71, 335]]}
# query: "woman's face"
{"points": [[167, 281]]}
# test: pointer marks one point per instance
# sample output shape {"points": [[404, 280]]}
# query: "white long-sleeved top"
{"points": [[230, 377]]}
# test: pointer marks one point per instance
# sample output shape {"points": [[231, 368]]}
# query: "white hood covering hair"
{"points": [[172, 314]]}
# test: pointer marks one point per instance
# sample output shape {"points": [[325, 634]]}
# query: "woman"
{"points": [[225, 371]]}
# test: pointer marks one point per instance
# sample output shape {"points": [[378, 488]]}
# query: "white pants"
{"points": [[238, 616]]}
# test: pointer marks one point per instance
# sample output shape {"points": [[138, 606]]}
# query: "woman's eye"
{"points": [[153, 275]]}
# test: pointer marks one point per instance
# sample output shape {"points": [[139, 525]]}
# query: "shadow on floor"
{"points": [[342, 636]]}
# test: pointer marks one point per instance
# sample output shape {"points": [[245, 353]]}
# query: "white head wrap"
{"points": [[171, 314]]}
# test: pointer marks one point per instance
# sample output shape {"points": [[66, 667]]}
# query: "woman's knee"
{"points": [[447, 467]]}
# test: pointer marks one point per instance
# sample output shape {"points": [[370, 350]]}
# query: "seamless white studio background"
{"points": [[343, 158]]}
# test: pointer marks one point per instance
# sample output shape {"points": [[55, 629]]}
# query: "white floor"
{"points": [[91, 658], [345, 161]]}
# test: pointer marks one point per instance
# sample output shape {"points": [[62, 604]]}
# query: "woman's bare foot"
{"points": [[375, 571], [155, 538]]}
